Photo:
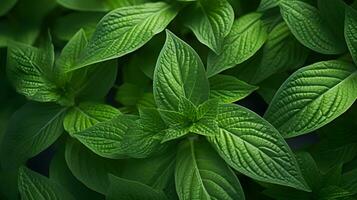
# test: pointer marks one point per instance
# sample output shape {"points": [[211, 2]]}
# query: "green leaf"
{"points": [[6, 5], [267, 4], [60, 173], [89, 168], [229, 89], [281, 52], [248, 34], [87, 114], [201, 174], [72, 50], [349, 181], [31, 129], [312, 97], [179, 73], [26, 68], [129, 94], [255, 148], [307, 25], [136, 25], [66, 26], [123, 189], [309, 170], [211, 21], [107, 138], [95, 5], [34, 186], [99, 79], [333, 12], [350, 31], [333, 192]]}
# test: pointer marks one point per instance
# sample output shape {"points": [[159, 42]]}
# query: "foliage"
{"points": [[178, 99]]}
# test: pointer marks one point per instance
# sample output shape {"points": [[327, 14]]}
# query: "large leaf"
{"points": [[34, 186], [123, 189], [86, 115], [255, 148], [307, 25], [211, 21], [95, 5], [312, 97], [126, 29], [281, 52], [32, 129], [228, 89], [351, 32], [26, 69], [89, 168], [248, 34], [179, 73], [201, 174]]}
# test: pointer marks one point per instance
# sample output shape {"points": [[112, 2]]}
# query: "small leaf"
{"points": [[89, 168], [255, 148], [107, 138], [351, 32], [312, 97], [201, 174], [126, 29], [228, 89], [31, 129], [211, 21], [34, 186], [85, 115], [94, 5], [179, 73], [248, 34], [124, 189], [307, 25], [25, 68]]}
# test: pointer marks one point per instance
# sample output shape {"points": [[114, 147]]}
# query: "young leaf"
{"points": [[211, 21], [126, 29], [255, 148], [32, 129], [201, 174], [85, 115], [179, 73], [229, 89], [89, 168], [281, 51], [72, 51], [25, 68], [312, 97], [350, 31], [34, 186], [248, 34], [124, 189], [94, 5], [307, 25]]}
